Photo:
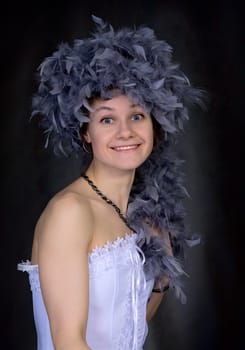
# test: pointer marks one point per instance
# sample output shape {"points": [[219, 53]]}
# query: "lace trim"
{"points": [[119, 242], [124, 338], [33, 274], [133, 327], [26, 266], [141, 323], [111, 254]]}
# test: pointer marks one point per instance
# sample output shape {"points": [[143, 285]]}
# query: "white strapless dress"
{"points": [[118, 295]]}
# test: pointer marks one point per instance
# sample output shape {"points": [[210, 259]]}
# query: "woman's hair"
{"points": [[140, 66]]}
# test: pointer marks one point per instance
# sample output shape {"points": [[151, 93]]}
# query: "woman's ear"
{"points": [[86, 137]]}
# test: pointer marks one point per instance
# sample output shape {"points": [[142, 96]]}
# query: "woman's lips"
{"points": [[125, 148]]}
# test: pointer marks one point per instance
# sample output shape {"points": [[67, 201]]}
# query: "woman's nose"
{"points": [[124, 130]]}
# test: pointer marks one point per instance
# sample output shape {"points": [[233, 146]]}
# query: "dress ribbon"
{"points": [[138, 276]]}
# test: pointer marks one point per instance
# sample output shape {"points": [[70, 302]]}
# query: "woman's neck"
{"points": [[114, 183]]}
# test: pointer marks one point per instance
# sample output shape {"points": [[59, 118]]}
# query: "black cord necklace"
{"points": [[107, 200]]}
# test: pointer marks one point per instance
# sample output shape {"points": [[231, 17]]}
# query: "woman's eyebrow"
{"points": [[106, 108], [137, 106], [102, 108]]}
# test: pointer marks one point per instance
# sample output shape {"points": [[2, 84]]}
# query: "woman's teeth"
{"points": [[125, 148]]}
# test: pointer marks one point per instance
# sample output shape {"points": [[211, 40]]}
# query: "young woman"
{"points": [[106, 247]]}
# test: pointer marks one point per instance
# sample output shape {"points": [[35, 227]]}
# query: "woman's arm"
{"points": [[64, 233], [155, 300]]}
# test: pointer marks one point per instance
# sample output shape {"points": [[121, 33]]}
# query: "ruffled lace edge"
{"points": [[27, 266], [119, 242]]}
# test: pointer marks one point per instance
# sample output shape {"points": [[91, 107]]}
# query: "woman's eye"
{"points": [[106, 120], [137, 116]]}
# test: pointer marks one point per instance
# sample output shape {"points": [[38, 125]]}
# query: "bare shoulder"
{"points": [[76, 202], [67, 218]]}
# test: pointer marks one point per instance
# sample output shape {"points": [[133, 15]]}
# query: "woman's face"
{"points": [[120, 133]]}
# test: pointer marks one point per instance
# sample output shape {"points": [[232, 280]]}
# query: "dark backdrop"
{"points": [[208, 40]]}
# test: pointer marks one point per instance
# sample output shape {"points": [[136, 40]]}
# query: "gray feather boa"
{"points": [[157, 198]]}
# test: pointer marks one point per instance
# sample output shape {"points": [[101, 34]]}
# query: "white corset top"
{"points": [[118, 295]]}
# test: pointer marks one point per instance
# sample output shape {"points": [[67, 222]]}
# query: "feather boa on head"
{"points": [[157, 198], [133, 61]]}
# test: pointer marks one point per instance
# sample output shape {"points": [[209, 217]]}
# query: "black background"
{"points": [[208, 41]]}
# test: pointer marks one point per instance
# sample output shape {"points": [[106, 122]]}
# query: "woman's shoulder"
{"points": [[73, 197], [67, 220], [68, 208]]}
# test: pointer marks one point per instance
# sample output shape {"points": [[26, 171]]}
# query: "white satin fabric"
{"points": [[118, 294]]}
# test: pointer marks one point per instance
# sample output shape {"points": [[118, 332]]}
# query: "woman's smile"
{"points": [[126, 148]]}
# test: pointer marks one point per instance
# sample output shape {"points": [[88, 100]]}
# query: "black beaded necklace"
{"points": [[107, 200]]}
